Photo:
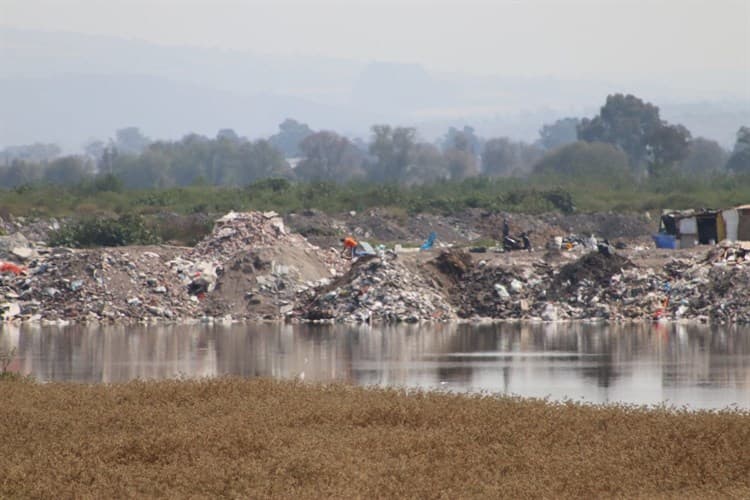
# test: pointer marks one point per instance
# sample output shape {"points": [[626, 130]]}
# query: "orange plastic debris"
{"points": [[9, 267]]}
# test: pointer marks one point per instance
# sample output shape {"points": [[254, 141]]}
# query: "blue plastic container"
{"points": [[665, 240]]}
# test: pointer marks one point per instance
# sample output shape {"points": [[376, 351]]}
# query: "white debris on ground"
{"points": [[251, 267]]}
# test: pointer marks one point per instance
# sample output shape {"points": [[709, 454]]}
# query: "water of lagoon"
{"points": [[697, 366]]}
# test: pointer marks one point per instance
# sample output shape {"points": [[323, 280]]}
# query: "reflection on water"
{"points": [[703, 367]]}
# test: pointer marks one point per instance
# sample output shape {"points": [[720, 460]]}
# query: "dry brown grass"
{"points": [[260, 438]]}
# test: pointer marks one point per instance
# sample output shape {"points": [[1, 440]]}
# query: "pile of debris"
{"points": [[249, 267], [264, 283], [594, 286], [114, 284], [377, 289], [239, 231], [714, 288], [492, 290]]}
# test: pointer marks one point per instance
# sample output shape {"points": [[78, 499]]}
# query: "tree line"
{"points": [[626, 142]]}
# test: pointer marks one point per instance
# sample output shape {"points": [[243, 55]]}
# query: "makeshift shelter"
{"points": [[736, 222], [687, 228]]}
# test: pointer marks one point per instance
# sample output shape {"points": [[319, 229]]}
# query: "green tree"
{"points": [[626, 122], [290, 136], [130, 140], [20, 173], [95, 149], [392, 147], [227, 134], [258, 160], [462, 140], [329, 157], [149, 170], [503, 157], [668, 144], [739, 161], [704, 157], [559, 133], [583, 162], [426, 165], [461, 164], [30, 153], [67, 171]]}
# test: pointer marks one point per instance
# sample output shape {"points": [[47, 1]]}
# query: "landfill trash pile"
{"points": [[607, 287], [239, 231], [131, 284], [377, 289], [113, 284], [16, 247], [714, 288], [32, 229], [492, 290], [593, 270], [251, 267]]}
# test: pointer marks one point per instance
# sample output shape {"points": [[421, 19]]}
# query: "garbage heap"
{"points": [[135, 283], [501, 291], [711, 287], [377, 289], [116, 284], [714, 288], [593, 286], [261, 267]]}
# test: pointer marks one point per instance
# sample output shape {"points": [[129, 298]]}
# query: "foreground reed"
{"points": [[260, 438]]}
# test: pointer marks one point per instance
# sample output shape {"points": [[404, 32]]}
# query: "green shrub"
{"points": [[128, 229]]}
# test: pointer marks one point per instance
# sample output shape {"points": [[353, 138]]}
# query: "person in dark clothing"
{"points": [[506, 236]]}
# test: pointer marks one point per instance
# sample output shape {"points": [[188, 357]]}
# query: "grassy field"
{"points": [[533, 195], [260, 438]]}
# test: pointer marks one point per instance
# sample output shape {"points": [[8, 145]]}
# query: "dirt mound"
{"points": [[237, 231], [593, 269], [453, 263], [263, 282]]}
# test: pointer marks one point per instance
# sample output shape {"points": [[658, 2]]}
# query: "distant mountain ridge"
{"points": [[67, 88]]}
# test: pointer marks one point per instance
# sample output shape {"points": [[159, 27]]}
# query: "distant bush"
{"points": [[183, 229], [100, 184], [128, 229]]}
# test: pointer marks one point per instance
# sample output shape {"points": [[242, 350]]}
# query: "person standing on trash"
{"points": [[506, 235], [349, 245]]}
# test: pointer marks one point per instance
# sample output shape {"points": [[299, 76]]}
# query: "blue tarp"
{"points": [[430, 241]]}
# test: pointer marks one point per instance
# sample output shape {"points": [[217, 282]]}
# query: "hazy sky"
{"points": [[636, 39]]}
